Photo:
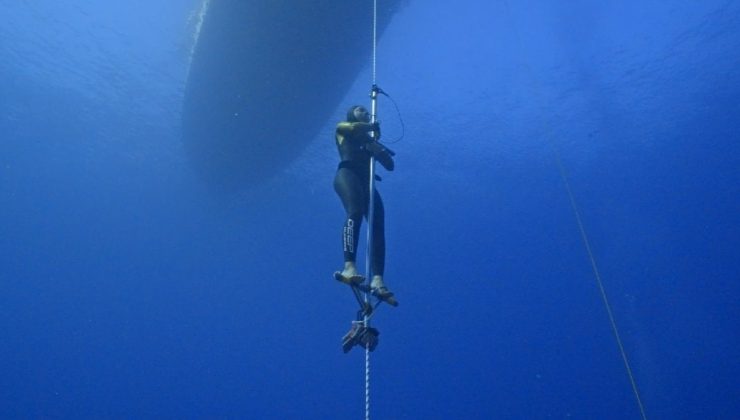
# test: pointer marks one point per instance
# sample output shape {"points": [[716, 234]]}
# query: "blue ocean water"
{"points": [[130, 289]]}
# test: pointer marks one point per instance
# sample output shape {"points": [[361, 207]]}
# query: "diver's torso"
{"points": [[352, 154]]}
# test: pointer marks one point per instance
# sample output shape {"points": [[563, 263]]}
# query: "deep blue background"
{"points": [[128, 288]]}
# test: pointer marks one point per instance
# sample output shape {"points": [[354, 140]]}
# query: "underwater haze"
{"points": [[131, 288]]}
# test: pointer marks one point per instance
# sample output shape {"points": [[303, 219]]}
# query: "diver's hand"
{"points": [[376, 130], [375, 147], [386, 160], [382, 154]]}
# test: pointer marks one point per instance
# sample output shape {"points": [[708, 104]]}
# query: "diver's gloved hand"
{"points": [[382, 154], [376, 147], [376, 129]]}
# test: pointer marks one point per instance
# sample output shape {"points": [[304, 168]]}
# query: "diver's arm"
{"points": [[346, 128], [382, 154], [354, 132]]}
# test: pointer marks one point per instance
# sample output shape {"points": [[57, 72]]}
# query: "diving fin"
{"points": [[385, 295], [355, 280], [360, 335]]}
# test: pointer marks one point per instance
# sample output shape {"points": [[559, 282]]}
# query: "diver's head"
{"points": [[358, 113]]}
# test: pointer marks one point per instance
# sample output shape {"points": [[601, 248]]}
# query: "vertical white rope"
{"points": [[375, 38], [367, 382], [370, 212]]}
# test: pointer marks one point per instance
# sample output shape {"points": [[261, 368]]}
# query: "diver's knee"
{"points": [[355, 216]]}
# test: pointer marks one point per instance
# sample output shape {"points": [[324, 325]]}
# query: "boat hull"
{"points": [[264, 78]]}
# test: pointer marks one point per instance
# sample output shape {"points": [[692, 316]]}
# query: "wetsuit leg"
{"points": [[378, 262], [351, 191]]}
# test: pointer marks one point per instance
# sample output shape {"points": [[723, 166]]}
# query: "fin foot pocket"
{"points": [[385, 295], [355, 280]]}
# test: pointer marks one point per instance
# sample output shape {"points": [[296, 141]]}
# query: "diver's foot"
{"points": [[379, 290], [384, 294], [349, 278]]}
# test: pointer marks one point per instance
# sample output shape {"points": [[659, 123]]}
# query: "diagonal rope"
{"points": [[584, 238], [597, 275]]}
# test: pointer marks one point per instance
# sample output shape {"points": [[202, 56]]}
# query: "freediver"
{"points": [[356, 146]]}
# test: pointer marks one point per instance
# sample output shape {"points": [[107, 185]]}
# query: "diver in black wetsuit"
{"points": [[352, 182]]}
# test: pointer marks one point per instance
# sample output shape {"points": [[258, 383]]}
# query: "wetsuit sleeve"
{"points": [[382, 154], [346, 128]]}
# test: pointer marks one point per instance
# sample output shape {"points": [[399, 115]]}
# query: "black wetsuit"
{"points": [[352, 183]]}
